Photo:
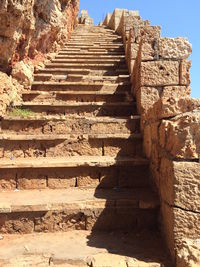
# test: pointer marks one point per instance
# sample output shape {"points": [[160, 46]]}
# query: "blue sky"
{"points": [[178, 18]]}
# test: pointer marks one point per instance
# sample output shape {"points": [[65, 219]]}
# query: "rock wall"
{"points": [[29, 30], [170, 122]]}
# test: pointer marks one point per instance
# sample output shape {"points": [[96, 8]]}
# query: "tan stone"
{"points": [[159, 73], [168, 227], [189, 253], [104, 260], [185, 66], [120, 148], [23, 73], [140, 263], [8, 180], [172, 106], [32, 182], [174, 48], [180, 184], [156, 103], [186, 224], [147, 51], [107, 19], [146, 99], [31, 27], [180, 136], [55, 183], [8, 92], [147, 34]]}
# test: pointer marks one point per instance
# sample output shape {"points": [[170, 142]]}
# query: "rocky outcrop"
{"points": [[29, 30], [170, 124], [10, 91], [30, 27]]}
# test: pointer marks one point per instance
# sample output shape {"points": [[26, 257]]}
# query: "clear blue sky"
{"points": [[178, 18]]}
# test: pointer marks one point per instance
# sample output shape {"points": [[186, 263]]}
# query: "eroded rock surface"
{"points": [[29, 27]]}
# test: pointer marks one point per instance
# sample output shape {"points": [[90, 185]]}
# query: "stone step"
{"points": [[77, 209], [77, 96], [101, 72], [101, 53], [80, 77], [57, 124], [75, 161], [92, 172], [96, 39], [93, 49], [95, 35], [144, 249], [94, 42], [81, 108], [100, 66], [24, 146], [93, 45], [89, 61], [72, 137], [92, 56], [94, 86]]}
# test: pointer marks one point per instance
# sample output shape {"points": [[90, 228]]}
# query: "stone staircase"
{"points": [[75, 186]]}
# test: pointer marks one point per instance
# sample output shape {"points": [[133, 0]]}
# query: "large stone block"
{"points": [[185, 72], [180, 136], [178, 225], [172, 106], [107, 19], [146, 50], [188, 254], [174, 48], [129, 19], [179, 184], [146, 98], [146, 33], [159, 73]]}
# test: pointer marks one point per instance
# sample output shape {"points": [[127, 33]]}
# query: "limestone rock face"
{"points": [[23, 72], [189, 254], [181, 136], [9, 89], [29, 27]]}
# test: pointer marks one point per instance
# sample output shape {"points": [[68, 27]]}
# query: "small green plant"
{"points": [[20, 112]]}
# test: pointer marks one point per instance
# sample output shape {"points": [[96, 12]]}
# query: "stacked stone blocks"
{"points": [[170, 122]]}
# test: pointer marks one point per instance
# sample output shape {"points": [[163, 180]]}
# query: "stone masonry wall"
{"points": [[29, 31], [170, 123]]}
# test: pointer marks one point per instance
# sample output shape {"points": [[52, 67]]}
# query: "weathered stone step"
{"points": [[93, 45], [77, 209], [96, 39], [93, 49], [100, 66], [77, 96], [82, 108], [90, 56], [80, 77], [64, 124], [94, 86], [94, 249], [79, 43], [103, 53], [94, 35], [88, 60], [75, 161], [127, 174], [24, 146], [103, 72], [72, 137]]}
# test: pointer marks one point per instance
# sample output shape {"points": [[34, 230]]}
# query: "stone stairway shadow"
{"points": [[129, 232]]}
